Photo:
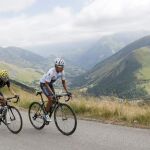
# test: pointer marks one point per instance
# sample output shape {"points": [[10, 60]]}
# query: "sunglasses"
{"points": [[60, 67]]}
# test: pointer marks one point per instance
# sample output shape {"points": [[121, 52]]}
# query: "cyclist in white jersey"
{"points": [[46, 82]]}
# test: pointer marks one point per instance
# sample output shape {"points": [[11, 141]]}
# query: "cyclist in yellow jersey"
{"points": [[4, 80]]}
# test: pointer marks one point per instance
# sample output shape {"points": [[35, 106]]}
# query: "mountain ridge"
{"points": [[106, 77]]}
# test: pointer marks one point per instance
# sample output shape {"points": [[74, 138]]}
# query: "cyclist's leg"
{"points": [[49, 95], [52, 88], [49, 103], [2, 100], [2, 103]]}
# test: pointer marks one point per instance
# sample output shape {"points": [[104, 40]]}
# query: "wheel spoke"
{"points": [[36, 115], [13, 120]]}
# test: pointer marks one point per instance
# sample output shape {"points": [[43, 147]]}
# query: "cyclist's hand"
{"points": [[2, 98], [17, 96], [69, 94]]}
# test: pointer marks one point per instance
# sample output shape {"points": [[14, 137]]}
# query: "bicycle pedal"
{"points": [[34, 117], [46, 122]]}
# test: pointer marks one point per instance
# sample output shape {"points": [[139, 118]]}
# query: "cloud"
{"points": [[62, 24], [15, 5], [106, 13], [44, 28]]}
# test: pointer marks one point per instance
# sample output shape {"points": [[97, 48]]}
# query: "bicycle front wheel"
{"points": [[36, 114], [65, 119], [13, 120]]}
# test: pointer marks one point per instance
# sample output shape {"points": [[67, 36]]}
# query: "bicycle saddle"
{"points": [[38, 92]]}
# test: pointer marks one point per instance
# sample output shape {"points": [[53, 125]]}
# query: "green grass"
{"points": [[143, 57], [26, 75], [130, 79], [102, 108], [26, 98], [143, 74], [108, 109]]}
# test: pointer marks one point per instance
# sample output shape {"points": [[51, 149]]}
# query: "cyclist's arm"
{"points": [[64, 85], [10, 88], [2, 100], [64, 82], [1, 97], [12, 91]]}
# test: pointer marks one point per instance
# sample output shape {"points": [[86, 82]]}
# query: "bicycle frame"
{"points": [[62, 113], [55, 102], [8, 100]]}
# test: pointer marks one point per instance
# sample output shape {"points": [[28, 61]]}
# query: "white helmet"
{"points": [[59, 62]]}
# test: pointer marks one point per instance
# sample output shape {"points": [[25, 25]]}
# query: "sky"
{"points": [[40, 22]]}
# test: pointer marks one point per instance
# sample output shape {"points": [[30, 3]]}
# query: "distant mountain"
{"points": [[26, 66], [125, 74], [20, 57], [62, 49], [27, 76], [106, 47], [88, 53]]}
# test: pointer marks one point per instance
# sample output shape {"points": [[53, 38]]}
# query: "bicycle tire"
{"points": [[73, 118], [30, 116], [10, 112]]}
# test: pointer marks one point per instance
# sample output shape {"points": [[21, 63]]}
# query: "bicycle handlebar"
{"points": [[17, 99], [65, 94], [57, 95]]}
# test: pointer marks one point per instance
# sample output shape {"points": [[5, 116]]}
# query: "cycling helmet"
{"points": [[59, 62], [4, 74]]}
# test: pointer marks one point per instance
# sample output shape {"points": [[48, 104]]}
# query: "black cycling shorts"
{"points": [[46, 90]]}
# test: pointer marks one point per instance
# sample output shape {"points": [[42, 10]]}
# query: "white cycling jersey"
{"points": [[51, 76]]}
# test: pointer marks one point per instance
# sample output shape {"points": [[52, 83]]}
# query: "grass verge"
{"points": [[109, 109], [106, 109]]}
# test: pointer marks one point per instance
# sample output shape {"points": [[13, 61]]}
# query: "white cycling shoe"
{"points": [[47, 118]]}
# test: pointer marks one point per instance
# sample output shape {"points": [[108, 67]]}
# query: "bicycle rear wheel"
{"points": [[14, 118], [36, 114], [65, 119]]}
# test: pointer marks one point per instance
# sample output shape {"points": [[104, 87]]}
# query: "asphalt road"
{"points": [[88, 136]]}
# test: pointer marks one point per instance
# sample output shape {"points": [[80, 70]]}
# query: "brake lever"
{"points": [[18, 98], [68, 98]]}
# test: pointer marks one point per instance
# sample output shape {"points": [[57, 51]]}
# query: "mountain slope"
{"points": [[106, 47], [20, 57], [28, 76], [27, 67], [93, 50], [124, 74]]}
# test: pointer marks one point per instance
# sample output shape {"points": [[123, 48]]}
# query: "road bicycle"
{"points": [[11, 117], [64, 117]]}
